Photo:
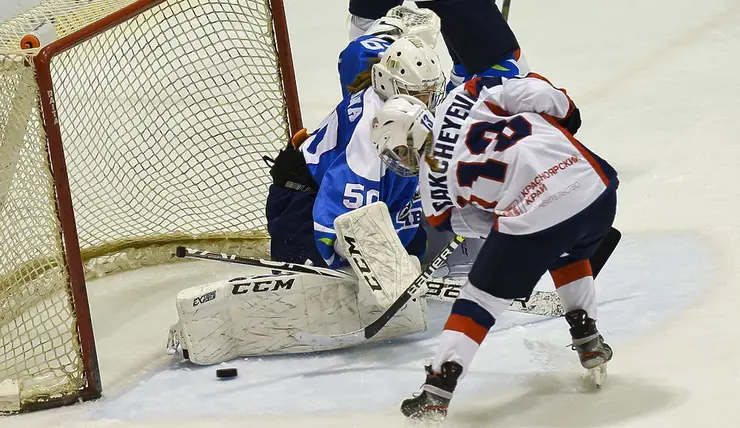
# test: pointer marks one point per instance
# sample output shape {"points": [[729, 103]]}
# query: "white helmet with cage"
{"points": [[401, 128], [410, 67], [405, 21]]}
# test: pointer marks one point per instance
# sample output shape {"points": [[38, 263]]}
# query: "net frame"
{"points": [[74, 259]]}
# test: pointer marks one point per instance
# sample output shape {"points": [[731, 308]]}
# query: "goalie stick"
{"points": [[192, 253], [505, 9]]}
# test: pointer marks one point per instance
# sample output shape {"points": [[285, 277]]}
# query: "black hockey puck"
{"points": [[226, 373]]}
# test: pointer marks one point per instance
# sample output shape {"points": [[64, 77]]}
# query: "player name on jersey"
{"points": [[444, 147]]}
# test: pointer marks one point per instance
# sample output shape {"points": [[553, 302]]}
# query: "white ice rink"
{"points": [[657, 83]]}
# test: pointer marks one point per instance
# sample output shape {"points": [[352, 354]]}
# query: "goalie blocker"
{"points": [[263, 314]]}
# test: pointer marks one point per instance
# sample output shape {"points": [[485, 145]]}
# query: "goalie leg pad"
{"points": [[367, 239], [261, 314]]}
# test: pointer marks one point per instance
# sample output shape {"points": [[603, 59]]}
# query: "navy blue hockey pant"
{"points": [[509, 266]]}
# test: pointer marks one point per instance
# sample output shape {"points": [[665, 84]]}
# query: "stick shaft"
{"points": [[192, 253], [505, 9]]}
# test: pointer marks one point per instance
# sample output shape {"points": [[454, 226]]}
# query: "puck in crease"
{"points": [[226, 373]]}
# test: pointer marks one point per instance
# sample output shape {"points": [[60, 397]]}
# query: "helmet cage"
{"points": [[404, 160], [430, 93]]}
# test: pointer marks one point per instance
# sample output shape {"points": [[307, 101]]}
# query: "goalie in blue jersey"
{"points": [[334, 202], [335, 169]]}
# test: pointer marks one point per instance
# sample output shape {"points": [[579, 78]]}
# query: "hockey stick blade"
{"points": [[192, 253], [543, 303], [374, 327], [605, 250]]}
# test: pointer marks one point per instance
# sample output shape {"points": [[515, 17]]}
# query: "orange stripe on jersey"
{"points": [[571, 104], [482, 202], [436, 220], [471, 87], [570, 273], [495, 109], [577, 144], [517, 54], [589, 158], [466, 326], [539, 76]]}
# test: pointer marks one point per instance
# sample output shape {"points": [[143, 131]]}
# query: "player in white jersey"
{"points": [[503, 166]]}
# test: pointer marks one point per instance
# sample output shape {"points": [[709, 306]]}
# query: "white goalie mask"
{"points": [[401, 128], [410, 67]]}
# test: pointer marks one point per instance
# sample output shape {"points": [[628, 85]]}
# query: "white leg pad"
{"points": [[260, 314]]}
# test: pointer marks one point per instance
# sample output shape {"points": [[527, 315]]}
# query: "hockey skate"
{"points": [[593, 352], [431, 403]]}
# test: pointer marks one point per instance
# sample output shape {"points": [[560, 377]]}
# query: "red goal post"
{"points": [[138, 128]]}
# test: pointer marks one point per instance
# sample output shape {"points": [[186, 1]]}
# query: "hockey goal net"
{"points": [[126, 128]]}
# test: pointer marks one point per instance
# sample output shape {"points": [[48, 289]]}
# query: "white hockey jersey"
{"points": [[505, 162]]}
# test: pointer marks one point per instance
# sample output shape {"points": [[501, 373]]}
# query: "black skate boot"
{"points": [[436, 393], [593, 352]]}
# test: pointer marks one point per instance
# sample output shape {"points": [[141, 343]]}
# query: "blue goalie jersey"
{"points": [[343, 160]]}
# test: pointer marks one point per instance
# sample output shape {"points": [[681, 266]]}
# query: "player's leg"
{"points": [[574, 280], [477, 36], [507, 267], [365, 12]]}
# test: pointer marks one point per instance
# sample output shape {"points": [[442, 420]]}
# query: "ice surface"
{"points": [[657, 85]]}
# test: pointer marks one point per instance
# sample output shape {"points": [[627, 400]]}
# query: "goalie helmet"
{"points": [[405, 21], [410, 67], [400, 129]]}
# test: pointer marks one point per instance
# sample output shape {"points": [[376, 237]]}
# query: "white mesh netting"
{"points": [[164, 121]]}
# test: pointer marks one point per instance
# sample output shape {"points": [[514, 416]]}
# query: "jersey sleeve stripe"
{"points": [[582, 150], [473, 198], [497, 110], [321, 228], [571, 104], [439, 219]]}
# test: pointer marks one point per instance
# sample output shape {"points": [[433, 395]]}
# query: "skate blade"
{"points": [[598, 375], [425, 422]]}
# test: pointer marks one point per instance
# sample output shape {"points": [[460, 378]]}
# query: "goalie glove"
{"points": [[367, 239]]}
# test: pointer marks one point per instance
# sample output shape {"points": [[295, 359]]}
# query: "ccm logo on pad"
{"points": [[261, 286], [367, 274]]}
